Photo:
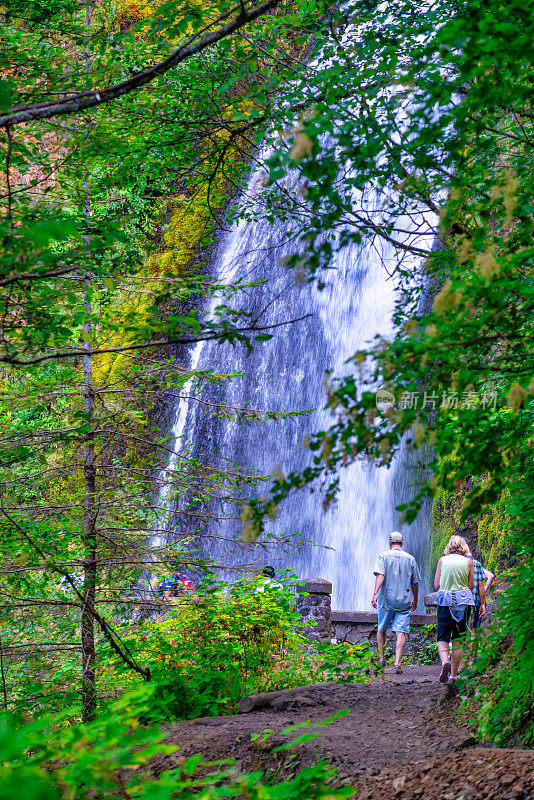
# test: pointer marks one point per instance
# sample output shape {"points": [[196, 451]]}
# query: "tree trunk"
{"points": [[89, 472], [90, 511], [3, 676]]}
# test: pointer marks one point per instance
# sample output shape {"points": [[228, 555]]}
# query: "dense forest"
{"points": [[134, 137]]}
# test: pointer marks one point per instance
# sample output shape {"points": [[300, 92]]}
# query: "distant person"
{"points": [[454, 581], [395, 595], [483, 581], [266, 580], [174, 586]]}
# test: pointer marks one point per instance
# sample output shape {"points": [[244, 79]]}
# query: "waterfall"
{"points": [[287, 374]]}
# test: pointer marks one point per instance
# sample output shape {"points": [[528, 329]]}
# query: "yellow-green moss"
{"points": [[492, 541], [132, 11], [188, 226], [445, 513], [486, 531], [189, 229]]}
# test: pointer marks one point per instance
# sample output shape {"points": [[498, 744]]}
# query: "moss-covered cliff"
{"points": [[484, 532]]}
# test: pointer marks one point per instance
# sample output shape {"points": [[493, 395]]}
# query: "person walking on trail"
{"points": [[483, 581], [395, 595], [454, 581]]}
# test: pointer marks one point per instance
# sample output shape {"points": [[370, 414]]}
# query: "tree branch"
{"points": [[159, 343], [122, 651], [89, 99], [38, 276]]}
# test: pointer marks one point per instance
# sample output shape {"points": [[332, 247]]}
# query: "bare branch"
{"points": [[78, 352], [111, 637], [37, 276], [89, 99]]}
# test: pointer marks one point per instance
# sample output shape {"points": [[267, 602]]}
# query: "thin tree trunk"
{"points": [[2, 673], [90, 516], [89, 472]]}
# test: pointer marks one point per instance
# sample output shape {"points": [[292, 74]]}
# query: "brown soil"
{"points": [[402, 727], [473, 775]]}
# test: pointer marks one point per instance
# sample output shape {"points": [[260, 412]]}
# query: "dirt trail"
{"points": [[393, 723]]}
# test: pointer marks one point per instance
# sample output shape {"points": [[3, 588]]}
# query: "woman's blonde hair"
{"points": [[457, 544]]}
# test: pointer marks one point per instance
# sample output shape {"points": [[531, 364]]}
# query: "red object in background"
{"points": [[174, 585], [185, 580]]}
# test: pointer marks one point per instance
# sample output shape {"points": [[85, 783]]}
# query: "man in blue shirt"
{"points": [[395, 595]]}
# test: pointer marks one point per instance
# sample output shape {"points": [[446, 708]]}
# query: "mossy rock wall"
{"points": [[485, 534]]}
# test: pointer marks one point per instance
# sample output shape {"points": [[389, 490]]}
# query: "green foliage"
{"points": [[109, 758], [498, 697], [188, 695], [458, 344], [501, 683], [441, 143], [343, 662], [493, 540], [104, 217], [224, 642], [40, 610], [428, 650], [170, 152]]}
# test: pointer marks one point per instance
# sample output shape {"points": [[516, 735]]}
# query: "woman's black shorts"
{"points": [[448, 628]]}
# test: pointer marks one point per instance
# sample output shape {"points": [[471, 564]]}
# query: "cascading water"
{"points": [[286, 374]]}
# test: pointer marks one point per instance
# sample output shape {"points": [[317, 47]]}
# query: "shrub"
{"points": [[227, 641], [109, 758]]}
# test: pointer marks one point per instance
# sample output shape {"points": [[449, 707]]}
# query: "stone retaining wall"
{"points": [[323, 624], [357, 627], [314, 605]]}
